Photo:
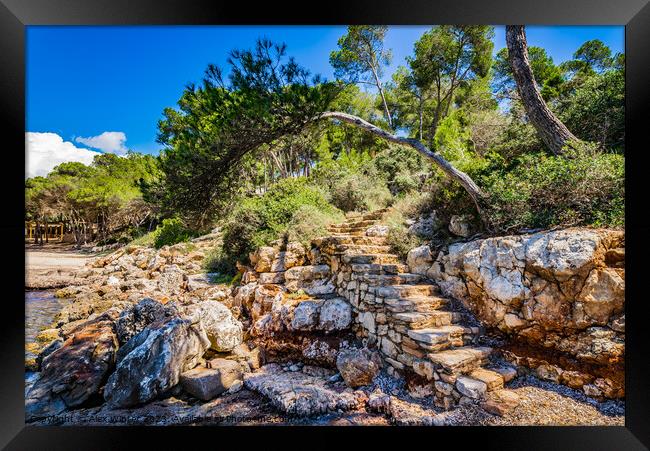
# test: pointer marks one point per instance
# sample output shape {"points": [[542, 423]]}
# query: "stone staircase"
{"points": [[414, 326]]}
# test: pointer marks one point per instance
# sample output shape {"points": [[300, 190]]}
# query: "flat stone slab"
{"points": [[471, 387], [435, 335], [460, 359], [206, 383], [299, 394], [492, 379]]}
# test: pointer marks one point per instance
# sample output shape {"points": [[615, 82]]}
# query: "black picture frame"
{"points": [[15, 15]]}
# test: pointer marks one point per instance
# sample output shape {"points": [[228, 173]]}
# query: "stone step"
{"points": [[436, 335], [361, 222], [460, 360], [376, 215], [359, 240], [371, 258], [346, 230], [417, 320], [378, 281], [492, 379], [415, 304], [346, 233], [374, 268], [361, 249], [399, 291]]}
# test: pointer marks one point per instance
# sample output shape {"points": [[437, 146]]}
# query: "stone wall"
{"points": [[558, 295]]}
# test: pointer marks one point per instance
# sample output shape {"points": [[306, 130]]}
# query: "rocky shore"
{"points": [[149, 338]]}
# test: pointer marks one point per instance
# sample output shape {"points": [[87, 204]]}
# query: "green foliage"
{"points": [[596, 110], [172, 231], [402, 167], [360, 192], [211, 140], [361, 55], [399, 238], [108, 193], [547, 75], [260, 220], [583, 187], [309, 222]]}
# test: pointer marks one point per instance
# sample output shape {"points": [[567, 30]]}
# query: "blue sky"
{"points": [[84, 81]]}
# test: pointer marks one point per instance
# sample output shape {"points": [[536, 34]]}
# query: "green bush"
{"points": [[172, 231], [360, 192], [260, 220], [581, 187], [309, 222], [399, 238]]}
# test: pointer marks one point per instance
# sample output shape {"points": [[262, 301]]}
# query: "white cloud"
{"points": [[112, 142], [46, 150]]}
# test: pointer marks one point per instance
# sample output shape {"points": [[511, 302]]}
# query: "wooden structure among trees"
{"points": [[44, 232]]}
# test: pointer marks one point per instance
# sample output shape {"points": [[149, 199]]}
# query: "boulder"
{"points": [[358, 367], [602, 295], [151, 362], [305, 316], [425, 226], [501, 402], [216, 378], [378, 230], [223, 330], [419, 259], [134, 319], [460, 226], [76, 370], [335, 314]]}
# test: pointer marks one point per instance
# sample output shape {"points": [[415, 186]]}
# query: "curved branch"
{"points": [[477, 195]]}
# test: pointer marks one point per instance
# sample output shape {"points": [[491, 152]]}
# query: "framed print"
{"points": [[406, 218]]}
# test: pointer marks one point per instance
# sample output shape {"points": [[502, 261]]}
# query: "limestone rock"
{"points": [[470, 387], [377, 230], [602, 295], [135, 318], [460, 226], [75, 371], [152, 361], [500, 402], [223, 330], [335, 314], [298, 394], [358, 367], [305, 315], [206, 383], [419, 259]]}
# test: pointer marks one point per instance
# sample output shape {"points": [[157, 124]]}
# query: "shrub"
{"points": [[581, 187], [403, 168], [260, 220], [308, 222], [399, 238], [172, 231], [360, 192]]}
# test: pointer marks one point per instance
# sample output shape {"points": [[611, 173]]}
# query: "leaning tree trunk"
{"points": [[550, 129], [472, 188]]}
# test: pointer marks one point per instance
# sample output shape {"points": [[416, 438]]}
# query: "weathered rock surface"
{"points": [[75, 371], [223, 330], [135, 318], [151, 362], [357, 366], [556, 290], [296, 393], [207, 382]]}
